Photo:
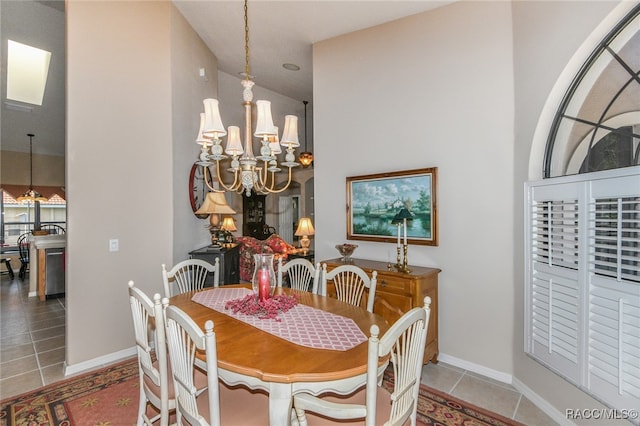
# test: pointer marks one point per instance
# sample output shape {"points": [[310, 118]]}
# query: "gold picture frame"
{"points": [[374, 200]]}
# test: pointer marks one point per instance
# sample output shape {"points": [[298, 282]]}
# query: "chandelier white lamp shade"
{"points": [[250, 172]]}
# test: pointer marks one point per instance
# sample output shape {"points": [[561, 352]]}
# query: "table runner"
{"points": [[302, 325]]}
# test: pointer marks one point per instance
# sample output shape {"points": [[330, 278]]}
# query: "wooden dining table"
{"points": [[260, 360]]}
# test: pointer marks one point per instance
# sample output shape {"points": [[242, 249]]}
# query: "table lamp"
{"points": [[305, 228], [228, 226], [214, 205]]}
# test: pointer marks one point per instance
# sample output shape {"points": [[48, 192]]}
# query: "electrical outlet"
{"points": [[114, 245]]}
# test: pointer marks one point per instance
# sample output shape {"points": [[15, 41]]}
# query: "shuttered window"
{"points": [[582, 295]]}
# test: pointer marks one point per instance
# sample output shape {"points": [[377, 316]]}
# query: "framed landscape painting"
{"points": [[374, 200]]}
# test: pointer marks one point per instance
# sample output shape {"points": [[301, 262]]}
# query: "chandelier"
{"points": [[250, 173], [31, 195]]}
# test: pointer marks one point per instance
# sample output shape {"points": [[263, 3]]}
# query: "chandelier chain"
{"points": [[246, 40]]}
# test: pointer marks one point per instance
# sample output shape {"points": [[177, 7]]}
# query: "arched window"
{"points": [[582, 244], [597, 124]]}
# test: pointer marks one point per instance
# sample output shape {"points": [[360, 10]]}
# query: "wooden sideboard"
{"points": [[398, 292]]}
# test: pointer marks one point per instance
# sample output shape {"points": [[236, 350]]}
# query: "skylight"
{"points": [[27, 69]]}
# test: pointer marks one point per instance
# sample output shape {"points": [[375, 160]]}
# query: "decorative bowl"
{"points": [[346, 250]]}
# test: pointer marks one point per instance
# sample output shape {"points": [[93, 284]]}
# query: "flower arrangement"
{"points": [[263, 309]]}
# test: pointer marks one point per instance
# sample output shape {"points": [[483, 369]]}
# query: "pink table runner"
{"points": [[302, 325]]}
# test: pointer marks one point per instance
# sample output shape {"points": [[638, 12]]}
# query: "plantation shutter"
{"points": [[582, 286], [614, 292]]}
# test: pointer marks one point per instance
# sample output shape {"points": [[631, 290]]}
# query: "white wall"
{"points": [[432, 90]]}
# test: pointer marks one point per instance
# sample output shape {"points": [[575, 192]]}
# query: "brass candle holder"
{"points": [[402, 266], [400, 219]]}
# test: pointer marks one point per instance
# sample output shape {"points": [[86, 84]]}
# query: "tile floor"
{"points": [[32, 344]]}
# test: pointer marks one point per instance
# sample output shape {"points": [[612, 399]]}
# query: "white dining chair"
{"points": [[156, 383], [350, 282], [154, 378], [189, 275], [220, 404], [302, 274], [404, 345]]}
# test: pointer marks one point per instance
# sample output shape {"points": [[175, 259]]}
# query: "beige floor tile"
{"points": [[15, 339], [18, 366], [531, 415], [55, 356], [45, 316], [13, 327], [488, 395], [53, 373], [49, 344], [20, 384], [14, 352], [495, 382], [440, 376], [48, 323], [48, 332]]}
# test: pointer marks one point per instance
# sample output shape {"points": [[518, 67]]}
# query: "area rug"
{"points": [[109, 397]]}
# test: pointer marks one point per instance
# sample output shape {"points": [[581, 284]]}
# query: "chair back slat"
{"points": [[350, 283], [189, 275], [302, 274]]}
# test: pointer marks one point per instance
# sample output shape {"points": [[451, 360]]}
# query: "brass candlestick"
{"points": [[403, 266]]}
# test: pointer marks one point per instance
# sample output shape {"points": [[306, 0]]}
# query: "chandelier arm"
{"points": [[277, 191], [263, 175], [206, 180]]}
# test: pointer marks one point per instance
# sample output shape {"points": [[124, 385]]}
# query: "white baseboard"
{"points": [[33, 294], [542, 403], [476, 368], [99, 362], [536, 399]]}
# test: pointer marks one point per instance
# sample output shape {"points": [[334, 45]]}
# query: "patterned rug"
{"points": [[109, 397]]}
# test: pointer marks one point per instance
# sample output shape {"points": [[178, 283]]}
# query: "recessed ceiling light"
{"points": [[291, 67]]}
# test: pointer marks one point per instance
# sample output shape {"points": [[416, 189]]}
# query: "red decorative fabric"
{"points": [[250, 246]]}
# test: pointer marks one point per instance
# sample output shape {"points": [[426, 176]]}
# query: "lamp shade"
{"points": [[200, 139], [31, 195], [274, 143], [228, 224], [213, 126], [305, 227], [234, 144], [215, 202], [290, 134], [264, 124], [402, 214]]}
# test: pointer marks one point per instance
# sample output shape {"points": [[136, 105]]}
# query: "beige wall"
{"points": [[188, 54], [432, 90], [120, 166], [48, 170]]}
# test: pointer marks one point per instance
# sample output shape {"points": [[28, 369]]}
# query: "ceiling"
{"points": [[279, 32], [283, 32]]}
